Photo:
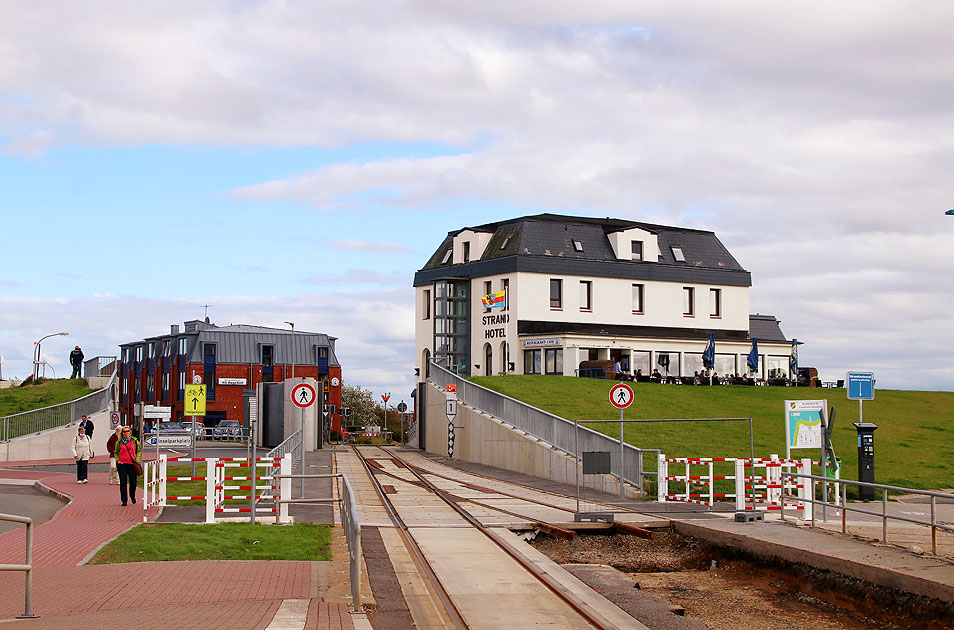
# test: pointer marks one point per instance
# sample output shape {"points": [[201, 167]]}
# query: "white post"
{"points": [[739, 484], [284, 489], [163, 476], [773, 481], [145, 489], [662, 471], [711, 482], [210, 478], [805, 492]]}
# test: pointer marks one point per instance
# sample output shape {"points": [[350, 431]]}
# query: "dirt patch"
{"points": [[725, 589]]}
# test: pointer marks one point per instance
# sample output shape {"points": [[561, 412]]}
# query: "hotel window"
{"points": [[577, 245], [426, 306], [556, 294], [637, 250], [586, 295], [505, 286], [488, 289], [677, 253], [553, 361], [688, 301], [715, 303], [532, 363], [638, 298], [467, 252]]}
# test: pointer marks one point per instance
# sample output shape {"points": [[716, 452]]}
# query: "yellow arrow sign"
{"points": [[194, 400]]}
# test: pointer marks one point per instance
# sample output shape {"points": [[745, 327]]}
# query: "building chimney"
{"points": [[175, 329]]}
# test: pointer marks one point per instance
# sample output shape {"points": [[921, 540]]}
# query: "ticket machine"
{"points": [[866, 458]]}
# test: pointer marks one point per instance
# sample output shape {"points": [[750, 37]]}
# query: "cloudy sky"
{"points": [[298, 161]]}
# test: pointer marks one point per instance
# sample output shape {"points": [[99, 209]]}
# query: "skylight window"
{"points": [[505, 241], [677, 253], [447, 256], [577, 245]]}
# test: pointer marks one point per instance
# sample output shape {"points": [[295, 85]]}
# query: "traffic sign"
{"points": [[303, 395], [451, 388], [330, 409], [860, 385], [401, 407], [451, 409], [113, 420], [385, 397], [621, 395], [194, 400]]}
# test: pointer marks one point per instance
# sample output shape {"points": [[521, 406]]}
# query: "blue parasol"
{"points": [[753, 360], [708, 355]]}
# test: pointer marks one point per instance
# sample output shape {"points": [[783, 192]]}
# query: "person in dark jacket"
{"points": [[87, 424], [76, 360]]}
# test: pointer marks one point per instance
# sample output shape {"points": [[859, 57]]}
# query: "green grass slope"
{"points": [[914, 445], [44, 394]]}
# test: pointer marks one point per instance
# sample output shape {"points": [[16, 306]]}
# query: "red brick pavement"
{"points": [[206, 594], [93, 517]]}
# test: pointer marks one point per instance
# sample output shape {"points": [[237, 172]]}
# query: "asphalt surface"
{"points": [[26, 501]]}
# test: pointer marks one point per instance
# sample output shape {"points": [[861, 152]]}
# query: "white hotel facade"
{"points": [[582, 288]]}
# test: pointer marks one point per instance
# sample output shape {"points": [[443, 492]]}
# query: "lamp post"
{"points": [[36, 354], [292, 324]]}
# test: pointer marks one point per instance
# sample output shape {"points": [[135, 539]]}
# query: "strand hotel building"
{"points": [[562, 290], [230, 360]]}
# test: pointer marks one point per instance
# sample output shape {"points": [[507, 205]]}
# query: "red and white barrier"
{"points": [[759, 492], [155, 484]]}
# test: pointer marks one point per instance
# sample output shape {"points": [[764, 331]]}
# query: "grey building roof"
{"points": [[766, 328], [544, 243], [241, 343]]}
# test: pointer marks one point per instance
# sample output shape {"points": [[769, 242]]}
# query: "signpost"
{"points": [[860, 388], [451, 414], [194, 400], [621, 396], [402, 409], [303, 396]]}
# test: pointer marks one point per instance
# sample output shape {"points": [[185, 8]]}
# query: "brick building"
{"points": [[230, 360]]}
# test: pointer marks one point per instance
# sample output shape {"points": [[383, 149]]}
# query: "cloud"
{"points": [[356, 245]]}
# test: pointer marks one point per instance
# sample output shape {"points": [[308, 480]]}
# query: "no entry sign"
{"points": [[303, 395], [621, 395]]}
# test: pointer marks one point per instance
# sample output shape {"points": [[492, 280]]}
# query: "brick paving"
{"points": [[205, 594]]}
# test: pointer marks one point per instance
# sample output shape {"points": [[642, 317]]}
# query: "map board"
{"points": [[803, 423]]}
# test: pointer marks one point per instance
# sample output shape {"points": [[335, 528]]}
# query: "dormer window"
{"points": [[637, 250], [577, 245], [467, 252], [447, 256], [677, 253]]}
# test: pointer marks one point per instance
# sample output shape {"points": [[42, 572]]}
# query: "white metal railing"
{"points": [[294, 443], [352, 528], [27, 566], [99, 366], [55, 416], [885, 517]]}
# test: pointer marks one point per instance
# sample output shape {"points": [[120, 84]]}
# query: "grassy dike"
{"points": [[914, 443], [43, 394]]}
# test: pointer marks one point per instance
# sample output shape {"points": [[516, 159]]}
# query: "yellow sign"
{"points": [[194, 400]]}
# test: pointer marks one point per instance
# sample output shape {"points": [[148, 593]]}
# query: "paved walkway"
{"points": [[208, 594]]}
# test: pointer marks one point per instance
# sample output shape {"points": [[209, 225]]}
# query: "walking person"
{"points": [[76, 360], [87, 424], [82, 451], [127, 458], [111, 449]]}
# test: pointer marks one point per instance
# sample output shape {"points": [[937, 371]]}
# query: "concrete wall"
{"points": [[55, 443], [483, 439]]}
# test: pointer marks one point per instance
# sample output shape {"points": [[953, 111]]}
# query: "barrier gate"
{"points": [[268, 495], [752, 492]]}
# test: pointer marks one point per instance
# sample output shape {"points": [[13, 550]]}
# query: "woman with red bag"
{"points": [[127, 460]]}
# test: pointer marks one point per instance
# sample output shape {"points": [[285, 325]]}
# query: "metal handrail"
{"points": [[27, 567], [56, 416], [292, 444], [885, 517], [545, 426]]}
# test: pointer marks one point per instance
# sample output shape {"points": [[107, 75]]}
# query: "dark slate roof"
{"points": [[766, 328], [548, 239]]}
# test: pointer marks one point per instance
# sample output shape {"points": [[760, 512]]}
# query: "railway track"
{"points": [[420, 502]]}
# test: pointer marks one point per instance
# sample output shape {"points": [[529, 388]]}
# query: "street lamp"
{"points": [[36, 354], [292, 324]]}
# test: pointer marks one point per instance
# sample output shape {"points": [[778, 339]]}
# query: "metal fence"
{"points": [[552, 429], [352, 528], [27, 566], [99, 366], [843, 484], [55, 416]]}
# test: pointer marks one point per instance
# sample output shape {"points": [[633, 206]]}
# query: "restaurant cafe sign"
{"points": [[540, 343]]}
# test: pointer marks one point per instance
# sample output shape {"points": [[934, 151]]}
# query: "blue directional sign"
{"points": [[860, 385]]}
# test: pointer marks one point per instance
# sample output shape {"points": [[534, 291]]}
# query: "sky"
{"points": [[271, 161]]}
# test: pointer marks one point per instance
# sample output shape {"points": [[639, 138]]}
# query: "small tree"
{"points": [[364, 410]]}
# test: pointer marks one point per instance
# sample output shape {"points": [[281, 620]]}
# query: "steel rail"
{"points": [[455, 616], [541, 577]]}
